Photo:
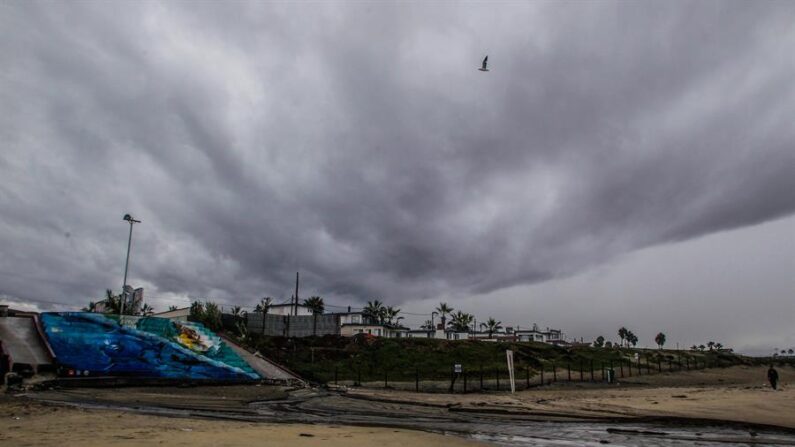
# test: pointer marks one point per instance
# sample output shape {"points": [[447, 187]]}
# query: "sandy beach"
{"points": [[30, 423], [214, 416], [739, 394]]}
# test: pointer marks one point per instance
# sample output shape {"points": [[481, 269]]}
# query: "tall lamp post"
{"points": [[123, 297]]}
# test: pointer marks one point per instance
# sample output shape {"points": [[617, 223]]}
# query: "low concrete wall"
{"points": [[292, 326]]}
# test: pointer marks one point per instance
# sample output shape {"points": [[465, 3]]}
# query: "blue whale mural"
{"points": [[92, 344]]}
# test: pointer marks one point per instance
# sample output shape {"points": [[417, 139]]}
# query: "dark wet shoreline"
{"points": [[509, 428]]}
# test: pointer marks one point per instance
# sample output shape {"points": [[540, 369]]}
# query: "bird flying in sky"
{"points": [[485, 63]]}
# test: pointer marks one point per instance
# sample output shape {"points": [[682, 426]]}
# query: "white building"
{"points": [[352, 318], [175, 315], [542, 336], [378, 330], [420, 333]]}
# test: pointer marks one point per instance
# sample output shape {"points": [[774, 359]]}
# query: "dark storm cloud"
{"points": [[359, 144]]}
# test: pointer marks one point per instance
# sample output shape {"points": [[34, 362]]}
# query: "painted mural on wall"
{"points": [[103, 345]]}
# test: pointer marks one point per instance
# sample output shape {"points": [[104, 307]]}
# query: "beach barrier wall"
{"points": [[101, 345]]}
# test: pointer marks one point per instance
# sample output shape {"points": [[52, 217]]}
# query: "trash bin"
{"points": [[610, 375]]}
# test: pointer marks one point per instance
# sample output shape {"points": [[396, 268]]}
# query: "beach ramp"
{"points": [[263, 366], [21, 342], [99, 345]]}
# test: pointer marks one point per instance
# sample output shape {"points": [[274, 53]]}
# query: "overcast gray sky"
{"points": [[622, 163]]}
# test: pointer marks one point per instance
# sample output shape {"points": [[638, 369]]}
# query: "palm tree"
{"points": [[315, 304], [147, 310], [460, 321], [92, 306], [631, 338], [660, 340], [443, 310], [172, 308], [622, 333], [599, 342], [197, 311], [236, 311], [373, 311], [264, 305], [212, 315], [711, 345], [428, 326], [694, 348], [718, 346], [491, 326], [112, 302], [701, 348], [390, 314]]}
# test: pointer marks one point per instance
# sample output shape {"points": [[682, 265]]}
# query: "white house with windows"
{"points": [[377, 330], [553, 336], [420, 333], [352, 318]]}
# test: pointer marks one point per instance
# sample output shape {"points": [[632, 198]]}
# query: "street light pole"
{"points": [[123, 296]]}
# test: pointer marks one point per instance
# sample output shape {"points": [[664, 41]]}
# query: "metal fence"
{"points": [[475, 378], [291, 325]]}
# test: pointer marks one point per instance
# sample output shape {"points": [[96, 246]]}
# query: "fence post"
{"points": [[481, 377], [465, 382], [611, 368], [554, 373], [417, 380], [581, 378], [592, 380]]}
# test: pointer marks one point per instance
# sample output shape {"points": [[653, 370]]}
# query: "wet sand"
{"points": [[738, 395], [242, 415], [25, 422]]}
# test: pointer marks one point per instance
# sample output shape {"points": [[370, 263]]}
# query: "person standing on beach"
{"points": [[772, 376]]}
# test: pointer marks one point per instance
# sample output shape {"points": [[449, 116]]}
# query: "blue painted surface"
{"points": [[142, 347]]}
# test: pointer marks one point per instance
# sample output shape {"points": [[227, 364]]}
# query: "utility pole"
{"points": [[123, 296], [295, 312]]}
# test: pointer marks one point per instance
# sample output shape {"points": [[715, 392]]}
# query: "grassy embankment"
{"points": [[321, 359]]}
